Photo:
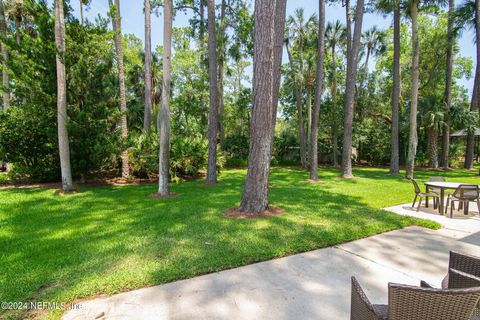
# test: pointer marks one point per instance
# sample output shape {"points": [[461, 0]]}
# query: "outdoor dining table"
{"points": [[443, 185]]}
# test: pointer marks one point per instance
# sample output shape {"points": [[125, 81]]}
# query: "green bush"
{"points": [[188, 156], [28, 141]]}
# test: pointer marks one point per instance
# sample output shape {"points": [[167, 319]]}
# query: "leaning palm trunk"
{"points": [[280, 13], [395, 148], [221, 72], [117, 28], [5, 77], [474, 106], [334, 108], [255, 192], [164, 115], [318, 92], [413, 138], [148, 68], [213, 114], [63, 144], [353, 46], [448, 84]]}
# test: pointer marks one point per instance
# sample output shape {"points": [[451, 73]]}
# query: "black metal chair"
{"points": [[419, 193], [437, 190], [464, 194]]}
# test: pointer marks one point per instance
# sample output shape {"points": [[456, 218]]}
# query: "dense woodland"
{"points": [[81, 99]]}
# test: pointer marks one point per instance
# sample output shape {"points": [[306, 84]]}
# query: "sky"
{"points": [[133, 22]]}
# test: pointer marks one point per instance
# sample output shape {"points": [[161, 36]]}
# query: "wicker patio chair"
{"points": [[415, 303], [465, 193], [462, 263], [421, 195], [463, 272]]}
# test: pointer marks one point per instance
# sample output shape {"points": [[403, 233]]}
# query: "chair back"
{"points": [[437, 179], [416, 303], [468, 192], [416, 187], [465, 263]]}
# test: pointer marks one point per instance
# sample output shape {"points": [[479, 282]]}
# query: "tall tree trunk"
{"points": [[308, 105], [448, 84], [353, 47], [432, 147], [5, 77], [280, 14], [318, 91], [117, 28], [213, 114], [334, 107], [148, 68], [255, 193], [18, 23], [81, 12], [474, 106], [221, 67], [301, 123], [62, 117], [164, 116], [395, 129], [413, 138]]}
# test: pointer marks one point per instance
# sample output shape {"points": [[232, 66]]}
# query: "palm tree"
{"points": [[297, 33], [413, 138], [255, 192], [335, 35], [318, 91], [448, 83], [395, 129], [213, 114], [353, 46], [373, 40], [83, 3], [63, 144], [5, 77], [117, 28], [164, 115], [148, 67]]}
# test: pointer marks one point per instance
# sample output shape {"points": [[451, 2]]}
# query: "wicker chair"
{"points": [[465, 193], [419, 193], [463, 272], [415, 303], [463, 263]]}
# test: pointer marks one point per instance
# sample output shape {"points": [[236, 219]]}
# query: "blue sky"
{"points": [[133, 21]]}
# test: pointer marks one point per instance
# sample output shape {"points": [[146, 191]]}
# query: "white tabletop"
{"points": [[444, 184]]}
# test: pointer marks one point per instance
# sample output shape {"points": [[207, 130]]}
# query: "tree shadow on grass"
{"points": [[109, 239]]}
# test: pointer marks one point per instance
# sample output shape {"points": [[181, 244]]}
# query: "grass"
{"points": [[110, 239]]}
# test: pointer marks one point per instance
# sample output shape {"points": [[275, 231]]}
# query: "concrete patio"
{"points": [[311, 285]]}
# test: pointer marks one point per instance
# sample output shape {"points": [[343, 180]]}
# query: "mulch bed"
{"points": [[160, 196], [314, 181], [271, 212]]}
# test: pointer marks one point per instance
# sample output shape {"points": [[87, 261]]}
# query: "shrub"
{"points": [[188, 156]]}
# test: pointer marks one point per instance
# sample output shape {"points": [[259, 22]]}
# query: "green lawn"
{"points": [[110, 239]]}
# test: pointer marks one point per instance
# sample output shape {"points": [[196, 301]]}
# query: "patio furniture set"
{"points": [[437, 188], [458, 299]]}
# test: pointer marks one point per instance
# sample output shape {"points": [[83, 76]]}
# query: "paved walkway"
{"points": [[311, 285]]}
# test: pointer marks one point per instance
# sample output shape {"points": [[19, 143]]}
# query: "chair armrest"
{"points": [[461, 280], [361, 308], [425, 284]]}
